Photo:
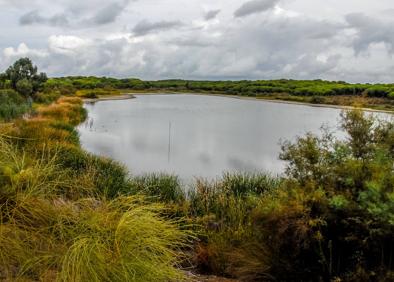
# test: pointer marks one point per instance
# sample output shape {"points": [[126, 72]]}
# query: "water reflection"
{"points": [[193, 135]]}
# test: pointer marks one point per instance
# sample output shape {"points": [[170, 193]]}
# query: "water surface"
{"points": [[196, 135]]}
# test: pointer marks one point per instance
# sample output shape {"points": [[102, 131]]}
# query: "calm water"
{"points": [[192, 135]]}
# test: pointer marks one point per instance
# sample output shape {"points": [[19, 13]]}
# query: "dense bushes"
{"points": [[23, 77], [12, 105], [89, 86]]}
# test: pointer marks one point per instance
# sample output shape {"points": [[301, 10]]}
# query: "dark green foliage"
{"points": [[162, 187], [247, 88], [12, 105], [338, 216], [24, 77], [24, 87]]}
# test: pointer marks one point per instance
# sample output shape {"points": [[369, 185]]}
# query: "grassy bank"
{"points": [[62, 217]]}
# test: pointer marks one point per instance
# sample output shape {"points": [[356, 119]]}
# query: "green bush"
{"points": [[12, 105], [46, 98]]}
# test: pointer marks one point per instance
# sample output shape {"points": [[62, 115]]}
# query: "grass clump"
{"points": [[12, 105], [162, 187]]}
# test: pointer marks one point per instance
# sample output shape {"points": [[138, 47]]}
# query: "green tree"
{"points": [[24, 76], [3, 79], [24, 87]]}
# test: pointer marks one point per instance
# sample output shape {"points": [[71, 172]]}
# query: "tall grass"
{"points": [[12, 105], [159, 186], [61, 215]]}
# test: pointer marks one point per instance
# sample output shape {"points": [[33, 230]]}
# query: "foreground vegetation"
{"points": [[68, 215], [60, 219]]}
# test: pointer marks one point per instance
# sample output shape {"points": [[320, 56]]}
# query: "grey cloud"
{"points": [[108, 14], [145, 27], [254, 6], [31, 18], [34, 17], [369, 31], [211, 14], [75, 17]]}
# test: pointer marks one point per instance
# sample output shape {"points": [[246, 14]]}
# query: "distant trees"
{"points": [[23, 77], [304, 88]]}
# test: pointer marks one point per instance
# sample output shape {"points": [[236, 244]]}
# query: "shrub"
{"points": [[24, 87], [12, 105], [46, 98]]}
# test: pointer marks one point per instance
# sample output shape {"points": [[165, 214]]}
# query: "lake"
{"points": [[198, 135]]}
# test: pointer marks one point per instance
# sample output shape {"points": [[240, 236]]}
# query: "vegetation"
{"points": [[12, 105], [62, 217], [23, 77], [68, 215], [379, 96]]}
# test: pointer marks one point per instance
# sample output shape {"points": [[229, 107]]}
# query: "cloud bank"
{"points": [[258, 39]]}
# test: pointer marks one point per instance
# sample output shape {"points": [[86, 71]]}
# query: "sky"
{"points": [[347, 40]]}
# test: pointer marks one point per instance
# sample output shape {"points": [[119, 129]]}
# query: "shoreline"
{"points": [[109, 98], [278, 101]]}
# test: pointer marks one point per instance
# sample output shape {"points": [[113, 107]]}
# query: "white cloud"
{"points": [[67, 44], [22, 51]]}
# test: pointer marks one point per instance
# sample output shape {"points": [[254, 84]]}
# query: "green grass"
{"points": [[12, 105], [159, 186]]}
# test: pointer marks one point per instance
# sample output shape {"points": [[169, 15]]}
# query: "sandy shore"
{"points": [[109, 98], [133, 95]]}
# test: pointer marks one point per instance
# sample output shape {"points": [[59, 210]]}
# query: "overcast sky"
{"points": [[350, 40]]}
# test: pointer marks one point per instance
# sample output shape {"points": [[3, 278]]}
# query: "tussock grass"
{"points": [[12, 105], [159, 186], [61, 215], [45, 229]]}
